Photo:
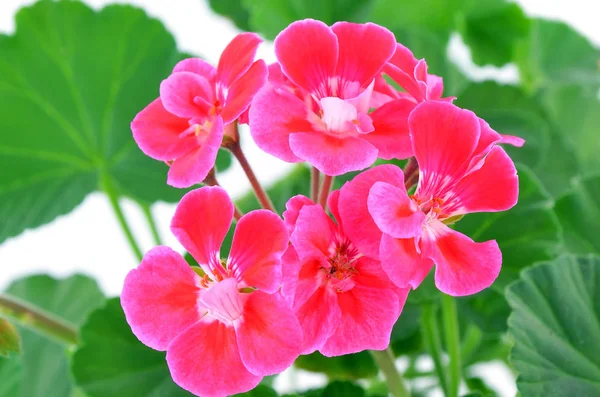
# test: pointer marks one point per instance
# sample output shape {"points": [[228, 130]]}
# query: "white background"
{"points": [[61, 248]]}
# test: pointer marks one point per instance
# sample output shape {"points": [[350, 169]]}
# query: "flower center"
{"points": [[342, 264]]}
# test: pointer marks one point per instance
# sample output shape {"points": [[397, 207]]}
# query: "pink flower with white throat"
{"points": [[461, 171], [316, 107], [185, 125], [226, 330], [343, 299]]}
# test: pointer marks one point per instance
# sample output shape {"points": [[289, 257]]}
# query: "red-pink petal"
{"points": [[186, 94], [237, 58], [292, 210], [313, 233], [333, 156], [307, 51], [157, 131], [197, 66], [193, 167], [205, 360], [243, 90], [200, 223], [333, 203], [390, 136], [358, 223], [444, 138], [274, 115], [393, 212], [402, 263], [269, 335], [160, 297], [493, 187], [363, 51], [319, 317], [290, 269], [463, 267], [259, 241], [512, 140], [223, 301], [368, 312]]}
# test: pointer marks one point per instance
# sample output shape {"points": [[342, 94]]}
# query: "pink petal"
{"points": [[444, 138], [363, 51], [512, 140], [186, 94], [435, 87], [333, 203], [393, 212], [243, 90], [200, 223], [488, 138], [223, 301], [313, 233], [160, 297], [274, 115], [205, 360], [197, 66], [157, 131], [269, 335], [368, 312], [337, 114], [333, 156], [290, 269], [404, 59], [259, 241], [319, 318], [390, 136], [193, 167], [463, 267], [402, 263], [358, 223], [237, 58], [493, 187], [292, 210], [307, 51]]}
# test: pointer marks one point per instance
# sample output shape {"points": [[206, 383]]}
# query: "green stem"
{"points": [[38, 320], [114, 202], [431, 334], [386, 362], [152, 223], [315, 180], [452, 343], [325, 188]]}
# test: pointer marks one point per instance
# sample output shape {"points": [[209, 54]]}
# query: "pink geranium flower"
{"points": [[184, 126], [462, 170], [224, 331], [316, 107], [343, 299]]}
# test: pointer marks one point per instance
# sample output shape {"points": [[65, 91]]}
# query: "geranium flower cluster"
{"points": [[310, 281]]}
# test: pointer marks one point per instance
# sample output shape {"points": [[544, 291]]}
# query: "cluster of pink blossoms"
{"points": [[310, 281]]}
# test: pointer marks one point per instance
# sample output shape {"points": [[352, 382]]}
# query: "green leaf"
{"points": [[232, 9], [492, 30], [71, 81], [112, 362], [10, 341], [579, 212], [555, 324], [270, 17], [350, 366], [343, 389], [260, 391], [11, 371], [426, 15], [555, 54], [44, 362]]}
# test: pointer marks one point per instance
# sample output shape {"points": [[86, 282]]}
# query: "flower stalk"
{"points": [[315, 181], [325, 189], [452, 336], [430, 329], [386, 362]]}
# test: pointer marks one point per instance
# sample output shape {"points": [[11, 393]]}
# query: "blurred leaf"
{"points": [[112, 362], [350, 366], [10, 377], [555, 324], [477, 347], [555, 54], [510, 111], [232, 9], [478, 387], [269, 17], [579, 214], [10, 341], [44, 362], [223, 161], [492, 29], [343, 389], [427, 15], [260, 391], [71, 81]]}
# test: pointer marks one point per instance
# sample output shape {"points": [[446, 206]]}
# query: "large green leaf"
{"points": [[44, 362], [71, 81], [511, 111], [579, 214], [555, 324], [554, 53], [234, 10], [112, 362]]}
